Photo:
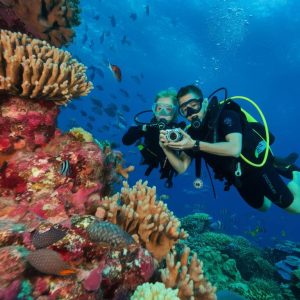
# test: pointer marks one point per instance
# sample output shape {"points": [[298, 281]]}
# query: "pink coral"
{"points": [[93, 281], [10, 292]]}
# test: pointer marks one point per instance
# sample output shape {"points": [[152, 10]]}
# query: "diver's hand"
{"points": [[186, 143], [162, 139]]}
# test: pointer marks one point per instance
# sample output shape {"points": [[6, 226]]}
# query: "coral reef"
{"points": [[295, 283], [154, 291], [187, 276], [137, 212], [198, 222], [25, 125], [51, 21], [31, 68], [232, 262], [71, 267]]}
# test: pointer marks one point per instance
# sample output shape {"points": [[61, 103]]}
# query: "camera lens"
{"points": [[173, 136]]}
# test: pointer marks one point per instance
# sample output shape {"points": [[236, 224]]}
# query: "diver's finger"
{"points": [[183, 133]]}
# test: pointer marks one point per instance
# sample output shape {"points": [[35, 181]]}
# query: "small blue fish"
{"points": [[65, 168]]}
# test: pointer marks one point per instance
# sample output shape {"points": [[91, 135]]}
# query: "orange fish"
{"points": [[116, 71]]}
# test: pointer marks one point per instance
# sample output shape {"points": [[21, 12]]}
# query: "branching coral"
{"points": [[49, 20], [31, 68], [187, 276], [141, 215]]}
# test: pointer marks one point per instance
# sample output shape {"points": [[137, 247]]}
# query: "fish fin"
{"points": [[67, 272]]}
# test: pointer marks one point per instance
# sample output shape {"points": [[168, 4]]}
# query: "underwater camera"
{"points": [[173, 135]]}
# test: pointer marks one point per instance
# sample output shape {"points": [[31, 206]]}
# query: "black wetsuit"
{"points": [[152, 153], [254, 183]]}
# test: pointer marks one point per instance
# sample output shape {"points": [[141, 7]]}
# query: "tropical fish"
{"points": [[65, 168], [113, 21], [111, 110], [99, 87], [116, 71], [85, 38], [133, 16], [107, 233], [125, 41], [83, 113], [49, 262], [217, 225], [124, 93], [164, 197], [97, 102], [254, 232], [125, 107], [92, 118], [147, 10], [46, 236], [136, 79], [96, 17]]}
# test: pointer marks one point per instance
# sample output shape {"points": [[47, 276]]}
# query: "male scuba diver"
{"points": [[236, 149], [147, 134]]}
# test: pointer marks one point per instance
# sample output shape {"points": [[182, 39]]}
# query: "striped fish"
{"points": [[65, 168]]}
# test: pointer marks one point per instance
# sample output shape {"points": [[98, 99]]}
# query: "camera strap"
{"points": [[198, 163]]}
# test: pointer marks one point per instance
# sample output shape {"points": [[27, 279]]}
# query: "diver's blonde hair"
{"points": [[169, 93]]}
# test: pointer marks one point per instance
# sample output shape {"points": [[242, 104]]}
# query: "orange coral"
{"points": [[31, 68], [148, 220], [49, 20], [187, 276], [124, 171]]}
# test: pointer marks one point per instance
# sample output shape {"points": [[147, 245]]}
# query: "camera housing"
{"points": [[173, 135]]}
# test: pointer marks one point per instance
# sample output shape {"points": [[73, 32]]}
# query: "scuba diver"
{"points": [[236, 148], [147, 134]]}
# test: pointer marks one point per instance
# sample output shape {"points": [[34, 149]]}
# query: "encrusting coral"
{"points": [[49, 20], [31, 68], [138, 213], [187, 276]]}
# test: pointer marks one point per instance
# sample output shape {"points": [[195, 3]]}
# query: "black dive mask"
{"points": [[191, 111]]}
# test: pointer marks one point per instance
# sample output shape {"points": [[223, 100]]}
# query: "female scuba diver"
{"points": [[146, 135], [235, 148]]}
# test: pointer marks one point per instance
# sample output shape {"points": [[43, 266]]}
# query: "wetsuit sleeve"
{"points": [[230, 122], [133, 134]]}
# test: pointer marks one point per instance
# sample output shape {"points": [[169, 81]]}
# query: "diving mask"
{"points": [[190, 107], [161, 109]]}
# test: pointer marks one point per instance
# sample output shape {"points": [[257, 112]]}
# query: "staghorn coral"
{"points": [[49, 20], [154, 291], [31, 68], [141, 215], [187, 276]]}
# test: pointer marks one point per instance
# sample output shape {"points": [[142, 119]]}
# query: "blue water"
{"points": [[250, 47]]}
